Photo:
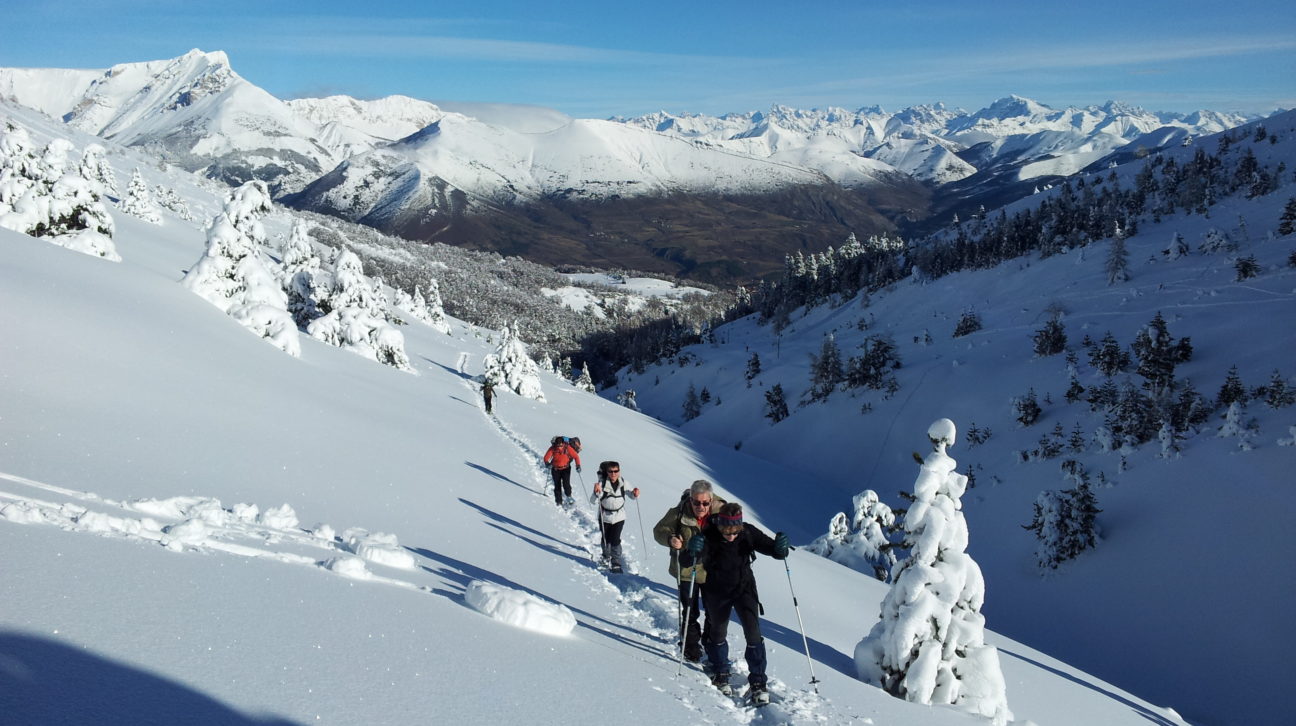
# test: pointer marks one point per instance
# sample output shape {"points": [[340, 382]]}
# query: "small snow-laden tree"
{"points": [[511, 367], [139, 201], [1117, 264], [96, 170], [861, 542], [928, 645], [1177, 248], [41, 197], [776, 408], [355, 318], [627, 398], [585, 381], [168, 199], [238, 278], [692, 407], [434, 307], [301, 275]]}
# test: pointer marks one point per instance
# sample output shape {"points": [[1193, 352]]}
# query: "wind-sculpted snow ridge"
{"points": [[646, 611], [203, 524]]}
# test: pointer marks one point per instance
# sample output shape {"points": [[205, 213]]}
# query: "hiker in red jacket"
{"points": [[559, 458]]}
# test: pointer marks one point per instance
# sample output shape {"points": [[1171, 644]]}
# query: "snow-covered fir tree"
{"points": [[168, 199], [1117, 264], [138, 201], [511, 367], [236, 276], [1176, 249], [692, 407], [355, 316], [41, 197], [862, 541], [300, 273], [585, 382], [627, 398], [776, 408], [928, 645], [96, 170], [1065, 522]]}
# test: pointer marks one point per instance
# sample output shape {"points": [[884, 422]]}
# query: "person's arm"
{"points": [[762, 542], [665, 528]]}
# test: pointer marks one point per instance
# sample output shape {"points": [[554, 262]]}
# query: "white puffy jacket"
{"points": [[612, 501]]}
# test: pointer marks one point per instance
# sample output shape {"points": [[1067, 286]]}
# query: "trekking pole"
{"points": [[642, 541], [688, 615], [805, 641], [582, 481]]}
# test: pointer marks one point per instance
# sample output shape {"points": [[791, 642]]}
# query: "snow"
{"points": [[1167, 601], [159, 464]]}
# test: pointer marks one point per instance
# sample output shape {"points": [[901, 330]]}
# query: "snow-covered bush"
{"points": [[355, 316], [139, 201], [96, 170], [928, 645], [167, 197], [39, 196], [428, 309], [862, 541], [511, 367], [585, 382], [1064, 521], [236, 276]]}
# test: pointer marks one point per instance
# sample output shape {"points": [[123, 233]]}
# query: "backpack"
{"points": [[572, 441]]}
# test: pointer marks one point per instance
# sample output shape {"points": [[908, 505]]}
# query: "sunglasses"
{"points": [[613, 471], [701, 502]]}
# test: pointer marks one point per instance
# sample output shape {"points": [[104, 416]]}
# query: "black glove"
{"points": [[781, 545], [695, 544], [578, 469]]}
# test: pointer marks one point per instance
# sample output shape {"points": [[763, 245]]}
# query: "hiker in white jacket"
{"points": [[610, 494]]}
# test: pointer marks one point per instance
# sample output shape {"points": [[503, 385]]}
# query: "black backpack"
{"points": [[572, 441]]}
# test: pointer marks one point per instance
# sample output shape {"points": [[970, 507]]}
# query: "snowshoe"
{"points": [[759, 695], [722, 684], [568, 502], [616, 568]]}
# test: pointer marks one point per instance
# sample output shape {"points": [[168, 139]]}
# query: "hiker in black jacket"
{"points": [[726, 547]]}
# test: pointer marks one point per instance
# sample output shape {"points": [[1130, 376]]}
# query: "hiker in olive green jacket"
{"points": [[674, 531]]}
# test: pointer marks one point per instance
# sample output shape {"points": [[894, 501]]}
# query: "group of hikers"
{"points": [[711, 550]]}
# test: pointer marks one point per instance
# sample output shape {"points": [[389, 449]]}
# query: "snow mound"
{"points": [[352, 567], [379, 548], [520, 609]]}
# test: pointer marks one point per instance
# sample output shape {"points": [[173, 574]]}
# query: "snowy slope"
{"points": [[141, 426], [1183, 581]]}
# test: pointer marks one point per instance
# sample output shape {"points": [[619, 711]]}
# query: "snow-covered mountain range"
{"points": [[532, 181]]}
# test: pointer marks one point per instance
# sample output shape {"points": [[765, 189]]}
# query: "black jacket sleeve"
{"points": [[761, 542]]}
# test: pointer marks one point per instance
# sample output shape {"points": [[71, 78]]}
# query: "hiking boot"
{"points": [[693, 654], [759, 694], [721, 682]]}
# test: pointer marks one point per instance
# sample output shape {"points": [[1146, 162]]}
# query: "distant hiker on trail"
{"points": [[726, 547], [610, 494], [674, 531], [488, 394], [559, 458]]}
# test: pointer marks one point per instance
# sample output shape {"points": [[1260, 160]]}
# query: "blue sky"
{"points": [[598, 59]]}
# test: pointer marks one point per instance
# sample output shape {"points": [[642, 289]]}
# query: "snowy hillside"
{"points": [[1186, 589], [199, 528]]}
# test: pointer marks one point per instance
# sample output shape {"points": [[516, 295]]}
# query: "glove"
{"points": [[634, 492], [548, 464], [578, 469], [695, 544], [781, 545]]}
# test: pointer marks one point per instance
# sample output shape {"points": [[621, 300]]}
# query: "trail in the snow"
{"points": [[649, 610]]}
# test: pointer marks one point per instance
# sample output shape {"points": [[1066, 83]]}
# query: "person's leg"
{"points": [[749, 615], [612, 543], [690, 632], [717, 631], [557, 482]]}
